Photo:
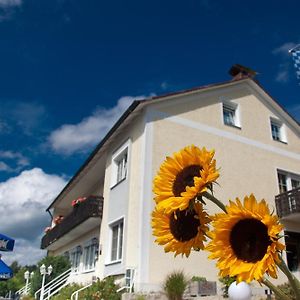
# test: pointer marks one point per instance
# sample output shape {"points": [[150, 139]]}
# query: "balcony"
{"points": [[288, 204], [84, 217]]}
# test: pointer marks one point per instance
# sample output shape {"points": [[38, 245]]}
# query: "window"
{"points": [[90, 254], [282, 182], [120, 164], [277, 131], [230, 114], [287, 181], [292, 242], [116, 241], [75, 258]]}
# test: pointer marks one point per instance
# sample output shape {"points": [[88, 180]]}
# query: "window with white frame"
{"points": [[119, 164], [90, 254], [230, 114], [287, 181], [277, 130], [75, 257], [116, 240]]}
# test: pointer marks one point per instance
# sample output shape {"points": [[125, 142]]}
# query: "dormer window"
{"points": [[277, 131], [230, 114]]}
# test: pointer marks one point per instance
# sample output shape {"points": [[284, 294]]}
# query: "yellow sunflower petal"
{"points": [[245, 240]]}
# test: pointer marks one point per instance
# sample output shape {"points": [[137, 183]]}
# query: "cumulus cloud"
{"points": [[25, 116], [12, 161], [7, 8], [284, 68], [24, 199], [10, 3], [70, 138]]}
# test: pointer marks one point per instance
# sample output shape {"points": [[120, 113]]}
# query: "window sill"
{"points": [[233, 126], [116, 184], [279, 141], [115, 262], [88, 271]]}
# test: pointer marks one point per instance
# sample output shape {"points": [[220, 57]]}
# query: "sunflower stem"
{"points": [[214, 200], [278, 292], [295, 284]]}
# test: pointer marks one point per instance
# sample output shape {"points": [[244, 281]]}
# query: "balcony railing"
{"points": [[288, 203], [92, 207]]}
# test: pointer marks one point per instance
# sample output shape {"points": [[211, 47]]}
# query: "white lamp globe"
{"points": [[240, 291]]}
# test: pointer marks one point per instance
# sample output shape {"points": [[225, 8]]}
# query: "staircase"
{"points": [[24, 290], [53, 287]]}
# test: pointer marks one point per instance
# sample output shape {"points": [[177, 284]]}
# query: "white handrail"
{"points": [[24, 289], [54, 283], [75, 294]]}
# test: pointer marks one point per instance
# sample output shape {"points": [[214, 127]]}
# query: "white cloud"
{"points": [[25, 252], [17, 159], [25, 116], [70, 138], [10, 3], [284, 49], [4, 167], [283, 73], [24, 199]]}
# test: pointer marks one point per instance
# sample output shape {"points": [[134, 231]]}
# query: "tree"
{"points": [[59, 264]]}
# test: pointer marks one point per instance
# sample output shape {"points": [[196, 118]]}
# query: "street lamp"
{"points": [[44, 272], [27, 276]]}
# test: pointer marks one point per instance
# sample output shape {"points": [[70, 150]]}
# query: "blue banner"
{"points": [[5, 271], [6, 243]]}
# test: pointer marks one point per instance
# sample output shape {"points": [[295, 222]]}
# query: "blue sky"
{"points": [[69, 68]]}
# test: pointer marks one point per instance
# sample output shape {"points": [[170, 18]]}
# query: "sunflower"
{"points": [[181, 230], [184, 176], [245, 240]]}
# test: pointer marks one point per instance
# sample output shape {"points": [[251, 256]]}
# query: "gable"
{"points": [[255, 111]]}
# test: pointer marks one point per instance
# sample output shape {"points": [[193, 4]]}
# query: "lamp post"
{"points": [[27, 276], [44, 272]]}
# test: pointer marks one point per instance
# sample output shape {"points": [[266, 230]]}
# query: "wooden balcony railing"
{"points": [[92, 207], [288, 203]]}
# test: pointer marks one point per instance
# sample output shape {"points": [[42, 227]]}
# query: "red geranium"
{"points": [[58, 219], [47, 229], [78, 201]]}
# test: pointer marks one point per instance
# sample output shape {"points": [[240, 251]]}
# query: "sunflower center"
{"points": [[249, 240], [185, 178], [184, 224]]}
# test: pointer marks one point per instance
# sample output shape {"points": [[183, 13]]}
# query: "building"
{"points": [[257, 148]]}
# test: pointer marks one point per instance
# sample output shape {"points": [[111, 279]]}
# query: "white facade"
{"points": [[234, 118]]}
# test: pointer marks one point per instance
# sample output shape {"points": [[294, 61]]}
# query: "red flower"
{"points": [[78, 201], [47, 229], [58, 219]]}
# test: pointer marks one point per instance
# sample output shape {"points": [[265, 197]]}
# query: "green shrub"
{"points": [[102, 289], [59, 264], [175, 285], [66, 292], [198, 278], [226, 281], [286, 288], [27, 297]]}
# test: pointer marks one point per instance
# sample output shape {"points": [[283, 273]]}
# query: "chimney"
{"points": [[238, 72]]}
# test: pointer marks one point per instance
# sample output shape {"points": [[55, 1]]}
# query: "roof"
{"points": [[137, 103]]}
